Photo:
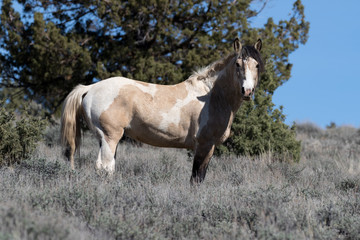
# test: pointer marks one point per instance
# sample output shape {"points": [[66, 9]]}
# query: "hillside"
{"points": [[149, 196]]}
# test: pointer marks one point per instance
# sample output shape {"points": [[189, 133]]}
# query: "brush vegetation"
{"points": [[149, 196], [19, 133]]}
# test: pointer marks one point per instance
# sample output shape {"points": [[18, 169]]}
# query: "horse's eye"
{"points": [[257, 66], [238, 64]]}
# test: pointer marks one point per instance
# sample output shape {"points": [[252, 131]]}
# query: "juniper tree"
{"points": [[54, 45]]}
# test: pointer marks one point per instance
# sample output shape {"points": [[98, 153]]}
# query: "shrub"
{"points": [[258, 129], [331, 125], [19, 133], [310, 130]]}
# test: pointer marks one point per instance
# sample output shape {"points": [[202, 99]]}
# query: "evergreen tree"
{"points": [[56, 45]]}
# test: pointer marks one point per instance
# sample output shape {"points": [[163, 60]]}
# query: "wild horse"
{"points": [[195, 114]]}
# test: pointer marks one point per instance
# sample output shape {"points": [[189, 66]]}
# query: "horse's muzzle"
{"points": [[247, 93]]}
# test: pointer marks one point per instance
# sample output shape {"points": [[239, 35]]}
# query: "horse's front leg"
{"points": [[202, 158]]}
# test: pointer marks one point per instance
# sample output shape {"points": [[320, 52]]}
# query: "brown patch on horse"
{"points": [[167, 96]]}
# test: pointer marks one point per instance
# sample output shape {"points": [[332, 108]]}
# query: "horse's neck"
{"points": [[227, 90]]}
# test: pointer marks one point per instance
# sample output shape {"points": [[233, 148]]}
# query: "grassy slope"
{"points": [[150, 197]]}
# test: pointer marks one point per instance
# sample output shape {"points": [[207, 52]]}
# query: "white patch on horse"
{"points": [[249, 82], [173, 116], [150, 89]]}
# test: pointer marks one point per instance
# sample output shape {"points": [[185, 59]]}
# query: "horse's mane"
{"points": [[213, 68], [210, 70], [208, 74]]}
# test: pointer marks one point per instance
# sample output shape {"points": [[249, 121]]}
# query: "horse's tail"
{"points": [[70, 121]]}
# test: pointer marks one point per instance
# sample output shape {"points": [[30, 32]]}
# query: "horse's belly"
{"points": [[153, 135]]}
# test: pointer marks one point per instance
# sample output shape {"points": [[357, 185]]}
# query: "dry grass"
{"points": [[149, 196]]}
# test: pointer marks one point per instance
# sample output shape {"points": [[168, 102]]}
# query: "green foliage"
{"points": [[259, 133], [332, 125], [18, 135], [67, 43]]}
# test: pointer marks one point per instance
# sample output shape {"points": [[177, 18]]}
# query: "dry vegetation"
{"points": [[150, 197]]}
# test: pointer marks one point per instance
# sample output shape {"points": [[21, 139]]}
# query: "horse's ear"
{"points": [[237, 45], [258, 45]]}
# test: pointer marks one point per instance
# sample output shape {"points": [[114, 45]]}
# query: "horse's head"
{"points": [[249, 65]]}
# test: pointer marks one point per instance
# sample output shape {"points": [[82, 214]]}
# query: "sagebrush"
{"points": [[19, 133], [149, 195]]}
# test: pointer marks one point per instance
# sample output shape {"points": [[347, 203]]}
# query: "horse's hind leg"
{"points": [[202, 158], [106, 155], [98, 160]]}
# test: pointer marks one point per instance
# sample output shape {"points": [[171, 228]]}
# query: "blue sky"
{"points": [[325, 85]]}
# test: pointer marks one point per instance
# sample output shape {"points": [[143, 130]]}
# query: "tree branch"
{"points": [[261, 9]]}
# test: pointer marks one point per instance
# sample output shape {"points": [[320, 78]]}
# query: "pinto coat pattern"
{"points": [[195, 114]]}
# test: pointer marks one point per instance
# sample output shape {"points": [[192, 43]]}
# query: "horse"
{"points": [[194, 114]]}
